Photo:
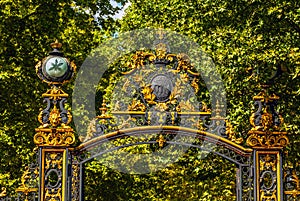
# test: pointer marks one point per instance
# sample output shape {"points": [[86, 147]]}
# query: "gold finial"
{"points": [[103, 109], [161, 140], [218, 112], [56, 45]]}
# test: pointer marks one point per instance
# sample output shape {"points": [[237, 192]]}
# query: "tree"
{"points": [[27, 28], [253, 43], [248, 40]]}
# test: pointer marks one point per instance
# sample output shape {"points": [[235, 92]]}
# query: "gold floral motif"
{"points": [[161, 51], [148, 95], [184, 77], [185, 106], [268, 163], [52, 195], [267, 197], [53, 160], [136, 105]]}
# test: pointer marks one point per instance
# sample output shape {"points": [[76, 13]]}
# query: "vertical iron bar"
{"points": [[81, 185], [254, 175], [238, 183], [40, 173]]}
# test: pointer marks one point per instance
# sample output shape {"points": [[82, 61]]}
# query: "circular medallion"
{"points": [[162, 87], [55, 67]]}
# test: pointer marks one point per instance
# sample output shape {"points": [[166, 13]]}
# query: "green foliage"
{"points": [[27, 28], [248, 41], [190, 178]]}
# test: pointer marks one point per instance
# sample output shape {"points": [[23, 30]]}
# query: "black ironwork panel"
{"points": [[161, 138]]}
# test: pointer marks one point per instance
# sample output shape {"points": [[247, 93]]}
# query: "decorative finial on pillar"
{"points": [[55, 70], [104, 110], [56, 45], [266, 122]]}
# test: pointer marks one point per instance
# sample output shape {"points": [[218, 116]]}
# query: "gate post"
{"points": [[267, 140], [54, 135]]}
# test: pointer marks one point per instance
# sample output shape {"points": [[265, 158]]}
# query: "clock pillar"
{"points": [[54, 136]]}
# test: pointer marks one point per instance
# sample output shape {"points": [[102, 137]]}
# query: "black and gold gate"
{"points": [[160, 108]]}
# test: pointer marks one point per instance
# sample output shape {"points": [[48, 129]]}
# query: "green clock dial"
{"points": [[56, 67]]}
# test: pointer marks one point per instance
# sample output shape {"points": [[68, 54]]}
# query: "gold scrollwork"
{"points": [[24, 187], [55, 94], [53, 163], [54, 137], [293, 178], [267, 197], [51, 195], [231, 134], [3, 192], [268, 171], [262, 139]]}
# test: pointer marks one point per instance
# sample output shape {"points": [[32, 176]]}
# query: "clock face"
{"points": [[56, 67]]}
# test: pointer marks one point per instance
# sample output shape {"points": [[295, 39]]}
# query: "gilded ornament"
{"points": [[148, 95], [266, 123], [3, 192], [54, 137], [24, 187], [161, 141], [231, 134], [136, 105], [195, 85], [54, 117]]}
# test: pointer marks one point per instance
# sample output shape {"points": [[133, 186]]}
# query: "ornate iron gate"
{"points": [[61, 165]]}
